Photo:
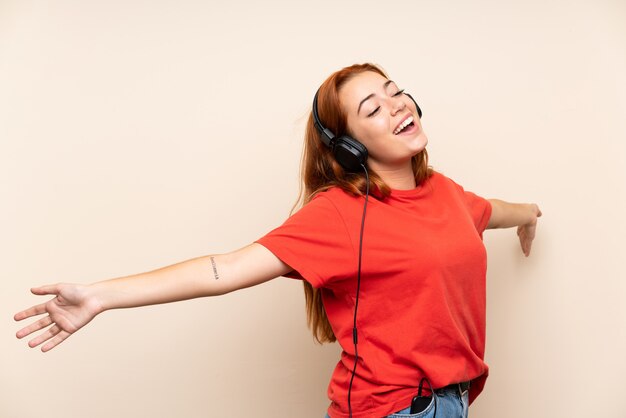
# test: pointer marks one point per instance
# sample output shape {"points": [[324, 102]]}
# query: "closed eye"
{"points": [[373, 112]]}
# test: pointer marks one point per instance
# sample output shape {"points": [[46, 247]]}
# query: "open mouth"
{"points": [[406, 124]]}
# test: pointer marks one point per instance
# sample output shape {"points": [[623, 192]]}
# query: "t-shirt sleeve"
{"points": [[314, 242], [479, 208]]}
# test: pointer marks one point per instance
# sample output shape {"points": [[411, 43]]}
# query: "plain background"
{"points": [[136, 134]]}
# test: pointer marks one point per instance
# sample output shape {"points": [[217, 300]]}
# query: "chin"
{"points": [[420, 143]]}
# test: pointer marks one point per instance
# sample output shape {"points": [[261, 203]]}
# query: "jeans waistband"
{"points": [[456, 387]]}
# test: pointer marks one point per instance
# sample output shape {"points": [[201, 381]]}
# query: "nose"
{"points": [[397, 104]]}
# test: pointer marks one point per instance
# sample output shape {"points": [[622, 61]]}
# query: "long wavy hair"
{"points": [[320, 172]]}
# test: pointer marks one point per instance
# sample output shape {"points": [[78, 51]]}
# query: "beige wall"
{"points": [[134, 134]]}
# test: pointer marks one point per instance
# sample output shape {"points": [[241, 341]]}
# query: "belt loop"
{"points": [[463, 387]]}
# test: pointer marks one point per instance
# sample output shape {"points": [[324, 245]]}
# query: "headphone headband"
{"points": [[328, 137]]}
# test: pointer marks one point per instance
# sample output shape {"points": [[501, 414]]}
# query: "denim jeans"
{"points": [[451, 403]]}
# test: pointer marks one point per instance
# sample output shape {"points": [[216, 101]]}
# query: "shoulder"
{"points": [[441, 180], [442, 187], [335, 197], [438, 182]]}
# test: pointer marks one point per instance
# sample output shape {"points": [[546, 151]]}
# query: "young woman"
{"points": [[390, 253]]}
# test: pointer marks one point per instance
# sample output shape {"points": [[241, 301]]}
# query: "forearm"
{"points": [[198, 277], [185, 280], [507, 215]]}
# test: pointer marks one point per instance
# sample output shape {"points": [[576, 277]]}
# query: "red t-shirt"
{"points": [[422, 299]]}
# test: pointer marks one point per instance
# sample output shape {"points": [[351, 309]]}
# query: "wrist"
{"points": [[96, 298], [534, 213]]}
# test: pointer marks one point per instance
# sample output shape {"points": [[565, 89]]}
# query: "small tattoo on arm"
{"points": [[217, 276]]}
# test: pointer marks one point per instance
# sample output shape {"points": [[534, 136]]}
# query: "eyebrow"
{"points": [[372, 95]]}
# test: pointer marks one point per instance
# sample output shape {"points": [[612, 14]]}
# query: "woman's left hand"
{"points": [[526, 232]]}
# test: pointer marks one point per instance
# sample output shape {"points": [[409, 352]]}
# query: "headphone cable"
{"points": [[358, 287]]}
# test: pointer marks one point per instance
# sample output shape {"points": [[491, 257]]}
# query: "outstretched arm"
{"points": [[74, 305], [522, 215]]}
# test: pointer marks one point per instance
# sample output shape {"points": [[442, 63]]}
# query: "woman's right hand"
{"points": [[71, 309]]}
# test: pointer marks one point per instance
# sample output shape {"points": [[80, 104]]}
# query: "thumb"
{"points": [[50, 289]]}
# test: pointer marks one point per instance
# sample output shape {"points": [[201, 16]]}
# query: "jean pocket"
{"points": [[423, 414]]}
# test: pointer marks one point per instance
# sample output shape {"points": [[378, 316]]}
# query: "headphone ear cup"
{"points": [[419, 111], [350, 153]]}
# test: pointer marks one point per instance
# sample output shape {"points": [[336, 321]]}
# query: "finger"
{"points": [[524, 246], [50, 289], [41, 338], [523, 239], [527, 242], [35, 326], [32, 311], [529, 245], [58, 339]]}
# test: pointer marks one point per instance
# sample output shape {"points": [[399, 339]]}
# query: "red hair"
{"points": [[320, 171]]}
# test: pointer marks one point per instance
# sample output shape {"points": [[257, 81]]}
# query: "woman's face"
{"points": [[383, 119]]}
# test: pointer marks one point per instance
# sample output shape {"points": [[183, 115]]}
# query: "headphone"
{"points": [[348, 152]]}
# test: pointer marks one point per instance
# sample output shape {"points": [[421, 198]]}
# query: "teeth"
{"points": [[403, 125]]}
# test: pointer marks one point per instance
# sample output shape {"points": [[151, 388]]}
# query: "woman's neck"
{"points": [[398, 178]]}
